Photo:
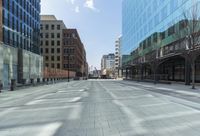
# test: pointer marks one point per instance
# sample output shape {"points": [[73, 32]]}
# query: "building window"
{"points": [[155, 37], [58, 58], [52, 58], [46, 35], [149, 42], [58, 35], [52, 35], [46, 58], [144, 44], [47, 27], [52, 65], [47, 65], [58, 43], [52, 43], [65, 65], [47, 43], [46, 50], [162, 35], [171, 30], [52, 50], [58, 50], [52, 27], [65, 57], [41, 27], [41, 35], [58, 65], [58, 27], [41, 50], [66, 51]]}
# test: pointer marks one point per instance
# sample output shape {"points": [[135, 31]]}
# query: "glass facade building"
{"points": [[20, 42], [21, 24], [141, 19]]}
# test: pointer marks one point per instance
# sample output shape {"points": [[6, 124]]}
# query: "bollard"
{"points": [[13, 84], [1, 86]]}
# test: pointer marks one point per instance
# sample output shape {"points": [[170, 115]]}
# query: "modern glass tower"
{"points": [[20, 41], [141, 19], [21, 24]]}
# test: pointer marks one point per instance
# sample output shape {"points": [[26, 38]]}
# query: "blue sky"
{"points": [[98, 23]]}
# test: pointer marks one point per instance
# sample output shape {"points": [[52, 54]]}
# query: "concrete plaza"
{"points": [[101, 108]]}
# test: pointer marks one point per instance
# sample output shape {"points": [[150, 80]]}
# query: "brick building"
{"points": [[74, 54]]}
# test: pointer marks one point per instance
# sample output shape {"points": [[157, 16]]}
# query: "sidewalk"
{"points": [[175, 87], [29, 85]]}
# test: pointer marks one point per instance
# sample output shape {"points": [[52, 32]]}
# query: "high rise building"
{"points": [[52, 41], [141, 19], [19, 38], [73, 53], [118, 72], [108, 65], [155, 39]]}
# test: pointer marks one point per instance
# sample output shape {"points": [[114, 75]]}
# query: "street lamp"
{"points": [[68, 66]]}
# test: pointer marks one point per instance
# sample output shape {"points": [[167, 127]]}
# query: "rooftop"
{"points": [[48, 17]]}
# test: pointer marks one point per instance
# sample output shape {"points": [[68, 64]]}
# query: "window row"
{"points": [[47, 35], [47, 27], [52, 50], [47, 43], [16, 7], [52, 58], [16, 40], [16, 24], [53, 65], [69, 66], [69, 51], [68, 42]]}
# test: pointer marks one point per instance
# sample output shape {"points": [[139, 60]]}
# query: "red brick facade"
{"points": [[74, 49]]}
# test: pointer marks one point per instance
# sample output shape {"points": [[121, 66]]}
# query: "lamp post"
{"points": [[68, 66]]}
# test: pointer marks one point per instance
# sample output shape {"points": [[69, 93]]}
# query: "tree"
{"points": [[189, 31]]}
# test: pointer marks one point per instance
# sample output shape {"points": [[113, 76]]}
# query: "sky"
{"points": [[97, 21]]}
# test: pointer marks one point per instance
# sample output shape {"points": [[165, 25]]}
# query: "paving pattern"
{"points": [[97, 108]]}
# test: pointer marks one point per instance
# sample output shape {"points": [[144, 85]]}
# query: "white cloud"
{"points": [[71, 1], [77, 9], [90, 4]]}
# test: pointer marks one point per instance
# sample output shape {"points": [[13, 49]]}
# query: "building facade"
{"points": [[51, 41], [108, 65], [73, 53], [158, 42], [118, 61], [20, 59]]}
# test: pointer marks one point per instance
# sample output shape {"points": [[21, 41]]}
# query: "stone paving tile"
{"points": [[111, 110]]}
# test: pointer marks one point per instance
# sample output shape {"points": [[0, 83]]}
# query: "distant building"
{"points": [[20, 59], [73, 53], [108, 65], [118, 61], [51, 41]]}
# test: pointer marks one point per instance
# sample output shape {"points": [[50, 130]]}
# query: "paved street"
{"points": [[101, 108]]}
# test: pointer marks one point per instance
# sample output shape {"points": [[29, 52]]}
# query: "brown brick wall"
{"points": [[1, 18], [79, 51]]}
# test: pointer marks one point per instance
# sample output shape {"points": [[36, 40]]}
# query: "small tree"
{"points": [[188, 36]]}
